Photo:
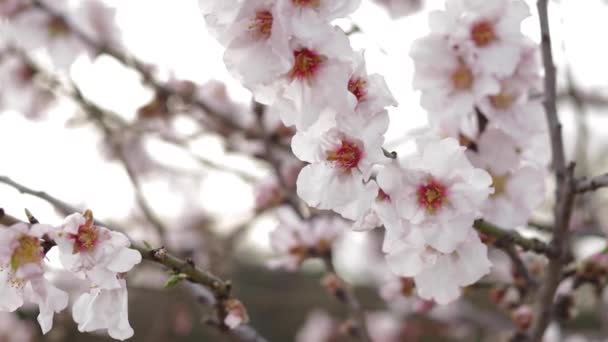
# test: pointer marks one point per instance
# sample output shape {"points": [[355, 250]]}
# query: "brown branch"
{"points": [[592, 184], [221, 289], [346, 293], [513, 238], [564, 189], [162, 90], [520, 266]]}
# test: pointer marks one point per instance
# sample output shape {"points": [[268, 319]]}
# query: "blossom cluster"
{"points": [[97, 255], [476, 72]]}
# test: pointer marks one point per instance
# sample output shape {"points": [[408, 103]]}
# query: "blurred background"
{"points": [[144, 125]]}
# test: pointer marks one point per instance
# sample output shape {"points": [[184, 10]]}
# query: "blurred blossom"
{"points": [[294, 240], [183, 320], [319, 327], [236, 313], [13, 329], [35, 29], [268, 193], [22, 94], [384, 327], [8, 8]]}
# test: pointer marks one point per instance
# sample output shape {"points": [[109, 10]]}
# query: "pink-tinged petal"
{"points": [[322, 186], [437, 283], [124, 261]]}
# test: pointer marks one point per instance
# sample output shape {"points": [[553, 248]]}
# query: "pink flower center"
{"points": [[87, 236], [383, 196], [357, 87], [483, 33], [29, 250], [307, 3], [307, 62], [347, 156], [432, 195], [462, 77], [262, 24]]}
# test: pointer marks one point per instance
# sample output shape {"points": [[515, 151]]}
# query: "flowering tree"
{"points": [[449, 223]]}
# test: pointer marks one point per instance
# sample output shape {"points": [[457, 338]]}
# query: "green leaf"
{"points": [[174, 279], [147, 244]]}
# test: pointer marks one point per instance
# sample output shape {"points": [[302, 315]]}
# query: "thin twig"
{"points": [[351, 300], [564, 193], [519, 265], [592, 184], [513, 237], [220, 118], [221, 289]]}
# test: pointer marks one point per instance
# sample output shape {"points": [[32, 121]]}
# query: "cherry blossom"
{"points": [[519, 188], [96, 253], [341, 162], [259, 39], [22, 273], [295, 240], [488, 31], [450, 84], [437, 191], [369, 92], [104, 309], [23, 95], [317, 79], [438, 276], [35, 29]]}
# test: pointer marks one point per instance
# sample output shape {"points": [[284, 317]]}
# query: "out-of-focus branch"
{"points": [[346, 293], [221, 289], [592, 184], [97, 113], [513, 237], [61, 206], [162, 90], [564, 190], [520, 266]]}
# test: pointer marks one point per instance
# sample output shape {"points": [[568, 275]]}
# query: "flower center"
{"points": [[432, 195], [57, 27], [407, 286], [383, 196], [306, 63], [502, 101], [500, 184], [483, 34], [357, 87], [262, 24], [347, 156], [29, 250], [87, 237], [462, 77], [307, 3]]}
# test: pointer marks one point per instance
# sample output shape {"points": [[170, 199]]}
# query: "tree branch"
{"points": [[592, 184], [513, 237], [221, 289], [220, 118], [564, 190], [348, 296]]}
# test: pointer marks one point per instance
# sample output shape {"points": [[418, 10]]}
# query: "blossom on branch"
{"points": [[22, 273], [104, 309], [96, 253]]}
